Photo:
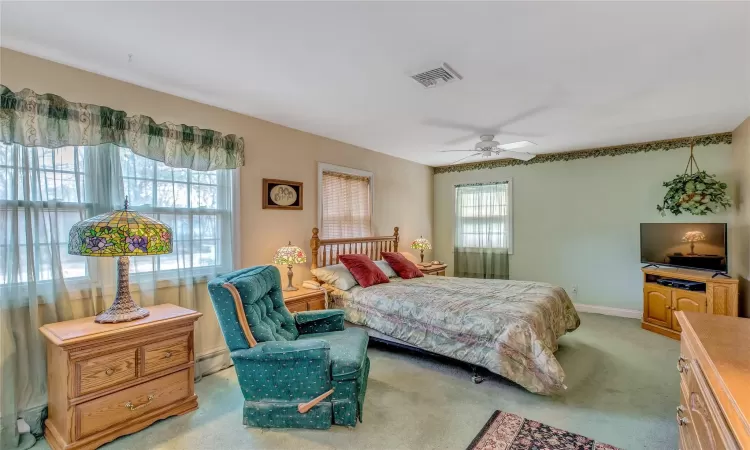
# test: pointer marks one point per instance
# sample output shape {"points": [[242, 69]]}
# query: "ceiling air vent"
{"points": [[437, 76]]}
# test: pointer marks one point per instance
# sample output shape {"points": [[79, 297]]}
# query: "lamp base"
{"points": [[124, 308], [290, 274]]}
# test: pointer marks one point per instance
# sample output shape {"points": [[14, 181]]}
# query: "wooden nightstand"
{"points": [[109, 380], [435, 269], [305, 300]]}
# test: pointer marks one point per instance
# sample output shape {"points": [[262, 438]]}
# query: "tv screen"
{"points": [[694, 245]]}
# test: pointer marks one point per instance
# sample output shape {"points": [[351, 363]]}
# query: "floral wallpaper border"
{"points": [[664, 145]]}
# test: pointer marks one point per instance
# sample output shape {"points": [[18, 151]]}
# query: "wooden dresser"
{"points": [[305, 300], [660, 303], [714, 366], [108, 380]]}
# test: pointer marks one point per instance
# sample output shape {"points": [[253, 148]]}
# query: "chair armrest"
{"points": [[309, 322], [306, 349], [284, 371]]}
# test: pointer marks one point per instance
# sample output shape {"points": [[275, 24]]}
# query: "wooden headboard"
{"points": [[325, 252]]}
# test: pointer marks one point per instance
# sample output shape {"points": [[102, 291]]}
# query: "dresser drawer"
{"points": [[126, 405], [163, 355], [296, 306], [711, 432], [688, 439], [105, 371]]}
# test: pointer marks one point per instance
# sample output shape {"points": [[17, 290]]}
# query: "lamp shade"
{"points": [[421, 244], [694, 236], [289, 254], [120, 233]]}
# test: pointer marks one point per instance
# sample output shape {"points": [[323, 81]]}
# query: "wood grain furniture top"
{"points": [[714, 368], [305, 299], [661, 303], [435, 269], [108, 380]]}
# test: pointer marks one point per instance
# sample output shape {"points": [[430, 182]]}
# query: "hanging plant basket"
{"points": [[697, 193]]}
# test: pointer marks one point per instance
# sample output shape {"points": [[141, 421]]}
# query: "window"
{"points": [[345, 199], [195, 204], [44, 192], [483, 216], [42, 196]]}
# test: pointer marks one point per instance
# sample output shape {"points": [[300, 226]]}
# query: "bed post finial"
{"points": [[314, 246], [395, 243]]}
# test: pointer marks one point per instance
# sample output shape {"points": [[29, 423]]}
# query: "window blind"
{"points": [[346, 206]]}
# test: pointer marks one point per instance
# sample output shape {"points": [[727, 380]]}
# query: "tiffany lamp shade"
{"points": [[121, 234], [288, 255], [421, 244]]}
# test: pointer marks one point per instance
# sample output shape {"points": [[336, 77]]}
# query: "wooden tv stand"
{"points": [[660, 303]]}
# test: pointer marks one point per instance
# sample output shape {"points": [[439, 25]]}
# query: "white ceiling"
{"points": [[568, 75]]}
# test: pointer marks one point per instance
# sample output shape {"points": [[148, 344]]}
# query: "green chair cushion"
{"points": [[348, 351]]}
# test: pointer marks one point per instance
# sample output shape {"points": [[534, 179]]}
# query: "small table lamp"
{"points": [[288, 255], [421, 244], [121, 234], [693, 237]]}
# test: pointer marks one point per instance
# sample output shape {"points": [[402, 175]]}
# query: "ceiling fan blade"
{"points": [[465, 157], [440, 123], [520, 116], [514, 146], [443, 151], [519, 134], [523, 156]]}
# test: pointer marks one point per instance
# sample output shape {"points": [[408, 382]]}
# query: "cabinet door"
{"points": [[687, 301], [657, 305]]}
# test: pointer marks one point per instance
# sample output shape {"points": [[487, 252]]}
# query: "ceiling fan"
{"points": [[487, 147]]}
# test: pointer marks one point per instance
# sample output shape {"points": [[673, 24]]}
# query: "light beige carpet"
{"points": [[622, 389]]}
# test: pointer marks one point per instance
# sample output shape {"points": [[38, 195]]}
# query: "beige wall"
{"points": [[740, 230], [403, 189], [577, 223]]}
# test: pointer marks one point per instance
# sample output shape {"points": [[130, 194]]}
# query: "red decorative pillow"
{"points": [[363, 270], [402, 266]]}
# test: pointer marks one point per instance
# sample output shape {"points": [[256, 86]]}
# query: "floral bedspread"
{"points": [[508, 327]]}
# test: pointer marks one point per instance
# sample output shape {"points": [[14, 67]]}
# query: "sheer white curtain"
{"points": [[483, 230], [346, 206], [43, 192]]}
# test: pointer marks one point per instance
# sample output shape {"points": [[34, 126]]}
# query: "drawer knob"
{"points": [[682, 365], [131, 407], [109, 371], [168, 354]]}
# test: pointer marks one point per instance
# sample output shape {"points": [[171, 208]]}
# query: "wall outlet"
{"points": [[574, 290]]}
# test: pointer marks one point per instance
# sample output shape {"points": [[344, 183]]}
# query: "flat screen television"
{"points": [[694, 245]]}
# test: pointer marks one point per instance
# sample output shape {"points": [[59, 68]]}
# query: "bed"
{"points": [[508, 327]]}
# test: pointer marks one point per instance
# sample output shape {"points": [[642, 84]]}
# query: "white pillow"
{"points": [[386, 268], [336, 275]]}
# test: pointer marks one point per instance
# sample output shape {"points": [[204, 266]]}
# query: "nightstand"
{"points": [[435, 269], [305, 299]]}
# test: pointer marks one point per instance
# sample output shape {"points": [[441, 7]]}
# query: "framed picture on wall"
{"points": [[282, 194]]}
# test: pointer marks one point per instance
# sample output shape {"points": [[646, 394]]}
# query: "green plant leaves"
{"points": [[698, 194]]}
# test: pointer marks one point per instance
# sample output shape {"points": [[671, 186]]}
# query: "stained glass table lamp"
{"points": [[288, 255], [122, 233], [421, 244]]}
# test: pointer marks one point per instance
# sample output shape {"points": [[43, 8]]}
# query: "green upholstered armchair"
{"points": [[295, 371]]}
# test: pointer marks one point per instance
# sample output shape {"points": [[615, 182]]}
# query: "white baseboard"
{"points": [[607, 311]]}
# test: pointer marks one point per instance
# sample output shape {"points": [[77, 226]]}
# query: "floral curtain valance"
{"points": [[47, 120]]}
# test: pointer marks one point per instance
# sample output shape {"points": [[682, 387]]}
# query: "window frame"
{"points": [[224, 216], [326, 167], [509, 182]]}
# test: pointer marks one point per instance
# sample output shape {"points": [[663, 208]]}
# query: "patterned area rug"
{"points": [[505, 431]]}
